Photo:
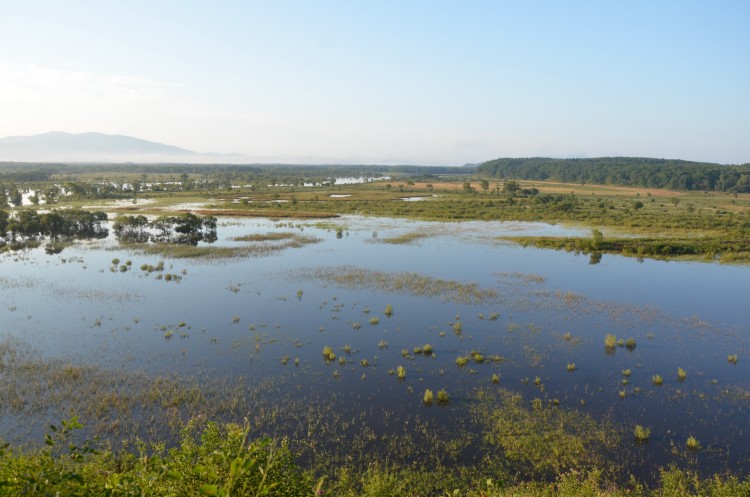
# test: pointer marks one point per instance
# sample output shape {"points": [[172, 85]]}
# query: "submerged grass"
{"points": [[403, 239], [405, 282], [266, 245], [541, 440]]}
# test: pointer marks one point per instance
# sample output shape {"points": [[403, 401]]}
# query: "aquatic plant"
{"points": [[428, 397], [462, 361], [382, 344], [478, 358], [388, 310], [374, 320], [457, 327], [657, 380], [622, 394], [364, 363], [630, 344], [328, 354], [442, 396], [681, 374], [732, 359], [356, 325], [495, 378], [693, 443], [401, 372], [626, 372], [641, 434], [427, 349], [405, 352], [571, 367], [610, 342]]}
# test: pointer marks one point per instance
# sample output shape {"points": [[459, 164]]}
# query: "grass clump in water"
{"points": [[428, 397], [692, 443], [388, 310], [681, 375], [328, 354], [401, 372], [641, 434], [443, 397], [610, 342]]}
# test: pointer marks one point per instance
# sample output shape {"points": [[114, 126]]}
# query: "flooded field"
{"points": [[360, 337]]}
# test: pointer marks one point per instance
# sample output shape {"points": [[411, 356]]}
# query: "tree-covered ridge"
{"points": [[628, 171]]}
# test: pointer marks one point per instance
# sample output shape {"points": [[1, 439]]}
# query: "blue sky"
{"points": [[386, 81]]}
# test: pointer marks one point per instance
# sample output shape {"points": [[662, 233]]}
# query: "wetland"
{"points": [[378, 346]]}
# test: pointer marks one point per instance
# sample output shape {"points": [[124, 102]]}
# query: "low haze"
{"points": [[440, 83]]}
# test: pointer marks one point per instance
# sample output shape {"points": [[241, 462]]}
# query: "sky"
{"points": [[386, 81]]}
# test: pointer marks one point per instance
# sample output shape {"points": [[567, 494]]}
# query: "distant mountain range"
{"points": [[58, 146]]}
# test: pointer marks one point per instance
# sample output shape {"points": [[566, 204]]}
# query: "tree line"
{"points": [[626, 171], [185, 228], [29, 224]]}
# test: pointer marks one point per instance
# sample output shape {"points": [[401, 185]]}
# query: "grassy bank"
{"points": [[734, 248], [220, 460]]}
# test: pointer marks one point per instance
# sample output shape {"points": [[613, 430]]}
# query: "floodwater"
{"points": [[536, 311]]}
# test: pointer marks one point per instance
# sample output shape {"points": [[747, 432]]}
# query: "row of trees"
{"points": [[69, 223], [184, 228], [628, 171]]}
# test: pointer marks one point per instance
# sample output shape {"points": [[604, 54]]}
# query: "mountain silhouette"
{"points": [[59, 146]]}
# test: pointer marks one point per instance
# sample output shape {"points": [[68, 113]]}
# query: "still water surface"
{"points": [[689, 315]]}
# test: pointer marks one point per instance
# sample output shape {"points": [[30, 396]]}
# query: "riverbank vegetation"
{"points": [[220, 460], [710, 248]]}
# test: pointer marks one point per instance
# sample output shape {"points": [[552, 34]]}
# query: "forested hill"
{"points": [[629, 171]]}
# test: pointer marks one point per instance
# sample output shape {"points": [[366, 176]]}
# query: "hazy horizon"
{"points": [[433, 83]]}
